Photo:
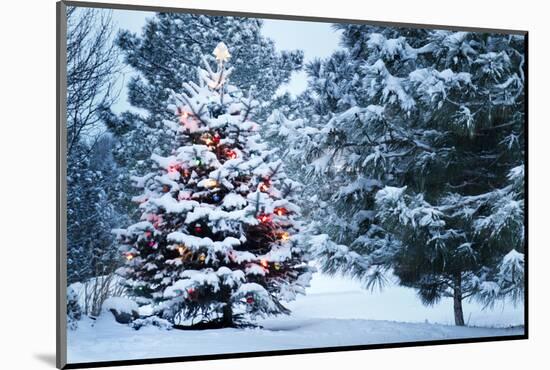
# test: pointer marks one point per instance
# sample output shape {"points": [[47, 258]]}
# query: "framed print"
{"points": [[235, 184]]}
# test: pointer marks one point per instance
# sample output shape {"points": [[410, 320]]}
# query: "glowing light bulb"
{"points": [[280, 211], [221, 52], [183, 117], [173, 168], [263, 218], [210, 183]]}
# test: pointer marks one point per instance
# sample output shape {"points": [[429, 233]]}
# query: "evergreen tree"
{"points": [[417, 137], [216, 237], [92, 64], [92, 191], [165, 56]]}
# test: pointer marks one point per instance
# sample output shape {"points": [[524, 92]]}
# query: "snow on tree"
{"points": [[414, 140], [217, 238], [92, 66], [165, 56], [92, 189]]}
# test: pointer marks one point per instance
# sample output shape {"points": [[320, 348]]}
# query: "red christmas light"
{"points": [[216, 139], [250, 300], [147, 234], [198, 228], [173, 168], [264, 263], [152, 243], [263, 187], [263, 218], [280, 211]]}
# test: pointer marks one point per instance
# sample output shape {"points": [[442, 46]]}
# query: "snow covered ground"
{"points": [[336, 312]]}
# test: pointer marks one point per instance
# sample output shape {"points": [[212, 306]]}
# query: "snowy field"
{"points": [[336, 312]]}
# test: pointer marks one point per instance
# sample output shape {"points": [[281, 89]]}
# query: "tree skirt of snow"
{"points": [[336, 312]]}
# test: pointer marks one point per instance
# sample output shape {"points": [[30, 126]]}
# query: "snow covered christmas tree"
{"points": [[217, 241]]}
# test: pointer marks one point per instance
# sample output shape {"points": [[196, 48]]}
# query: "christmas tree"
{"points": [[217, 240]]}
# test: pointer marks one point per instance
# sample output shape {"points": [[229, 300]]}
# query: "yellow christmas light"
{"points": [[210, 183], [285, 236]]}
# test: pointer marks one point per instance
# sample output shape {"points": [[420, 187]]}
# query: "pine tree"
{"points": [[165, 56], [418, 137], [216, 239], [92, 189]]}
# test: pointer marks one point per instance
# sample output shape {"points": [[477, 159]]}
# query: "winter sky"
{"points": [[316, 39]]}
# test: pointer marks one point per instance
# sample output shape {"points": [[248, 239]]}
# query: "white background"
{"points": [[27, 201]]}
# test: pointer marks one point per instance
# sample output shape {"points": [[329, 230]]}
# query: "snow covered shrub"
{"points": [[123, 309], [151, 321], [96, 290]]}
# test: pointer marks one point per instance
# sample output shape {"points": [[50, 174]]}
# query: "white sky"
{"points": [[316, 39]]}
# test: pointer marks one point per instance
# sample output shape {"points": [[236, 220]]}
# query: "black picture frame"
{"points": [[61, 190]]}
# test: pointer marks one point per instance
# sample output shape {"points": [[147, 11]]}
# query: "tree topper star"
{"points": [[221, 53]]}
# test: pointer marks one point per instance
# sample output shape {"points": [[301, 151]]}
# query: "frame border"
{"points": [[61, 187]]}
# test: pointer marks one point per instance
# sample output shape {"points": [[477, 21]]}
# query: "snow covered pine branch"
{"points": [[412, 141]]}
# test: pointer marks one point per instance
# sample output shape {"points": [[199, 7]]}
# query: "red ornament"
{"points": [[250, 300], [216, 139], [231, 154], [192, 294], [198, 228]]}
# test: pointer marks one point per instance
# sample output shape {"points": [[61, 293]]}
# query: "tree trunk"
{"points": [[227, 319], [457, 298]]}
